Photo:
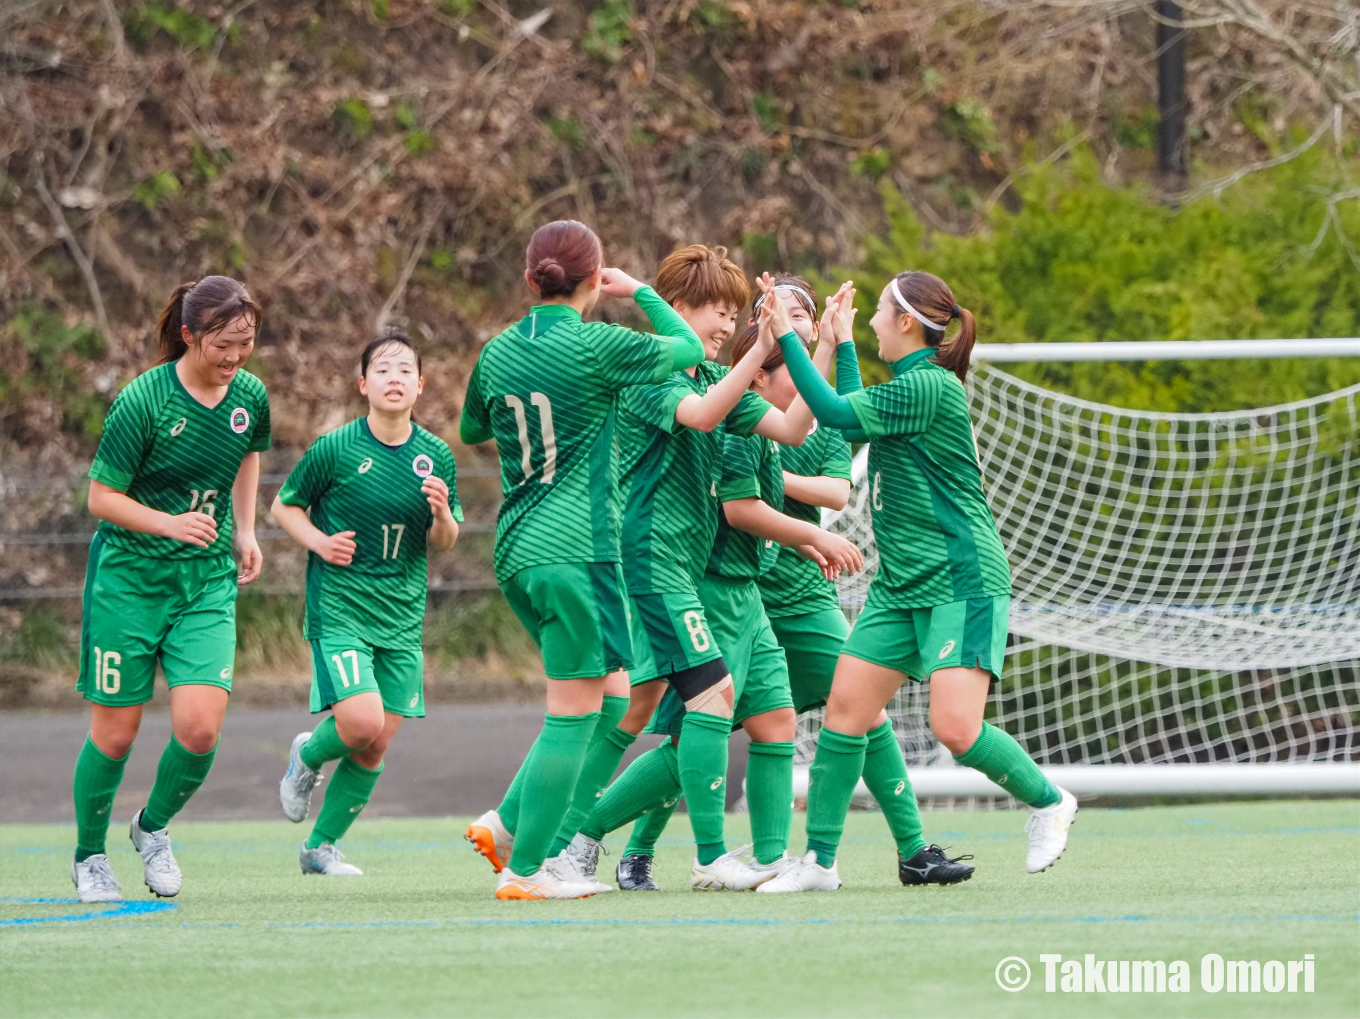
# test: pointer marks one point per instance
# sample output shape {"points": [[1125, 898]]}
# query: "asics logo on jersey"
{"points": [[422, 465], [240, 420], [178, 426], [944, 651], [363, 467]]}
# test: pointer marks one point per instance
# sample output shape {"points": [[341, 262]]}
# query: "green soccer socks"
{"points": [[831, 783], [703, 775], [1000, 758], [651, 826], [550, 775], [94, 787], [885, 773], [178, 776], [324, 745], [769, 798], [606, 750], [645, 785], [348, 793]]}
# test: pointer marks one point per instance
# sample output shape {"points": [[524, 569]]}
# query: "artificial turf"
{"points": [[420, 934]]}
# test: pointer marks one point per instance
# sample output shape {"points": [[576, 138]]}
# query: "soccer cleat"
{"points": [[776, 867], [95, 881], [728, 873], [931, 867], [635, 874], [807, 876], [1047, 829], [569, 870], [295, 789], [326, 859], [545, 884], [489, 837], [582, 856], [159, 869]]}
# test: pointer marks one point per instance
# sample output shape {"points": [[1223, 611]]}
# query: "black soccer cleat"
{"points": [[931, 867], [635, 874]]}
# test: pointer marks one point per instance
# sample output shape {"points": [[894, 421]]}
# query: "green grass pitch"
{"points": [[420, 934]]}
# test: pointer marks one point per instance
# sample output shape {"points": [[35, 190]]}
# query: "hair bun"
{"points": [[549, 271]]}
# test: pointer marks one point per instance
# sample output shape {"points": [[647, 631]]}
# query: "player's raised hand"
{"points": [[617, 283], [337, 549], [437, 495], [779, 315], [833, 307], [843, 325], [192, 528]]}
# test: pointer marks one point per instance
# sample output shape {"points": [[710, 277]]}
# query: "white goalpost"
{"points": [[1185, 617]]}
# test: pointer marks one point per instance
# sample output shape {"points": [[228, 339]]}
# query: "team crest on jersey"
{"points": [[363, 467], [422, 465], [178, 426], [240, 420]]}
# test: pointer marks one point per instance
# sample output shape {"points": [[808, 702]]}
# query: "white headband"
{"points": [[792, 287], [925, 322]]}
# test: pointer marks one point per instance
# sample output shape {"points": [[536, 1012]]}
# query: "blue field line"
{"points": [[108, 911]]}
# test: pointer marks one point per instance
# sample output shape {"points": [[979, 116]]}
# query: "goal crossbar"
{"points": [[1166, 350]]}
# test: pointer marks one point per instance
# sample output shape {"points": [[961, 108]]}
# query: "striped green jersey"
{"points": [[350, 481], [545, 390], [795, 586], [170, 452], [750, 470], [670, 480], [937, 541]]}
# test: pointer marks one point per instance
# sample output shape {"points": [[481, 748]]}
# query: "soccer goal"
{"points": [[1186, 608]]}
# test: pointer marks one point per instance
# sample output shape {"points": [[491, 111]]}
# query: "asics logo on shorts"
{"points": [[225, 673], [178, 426], [944, 651], [363, 467], [415, 700]]}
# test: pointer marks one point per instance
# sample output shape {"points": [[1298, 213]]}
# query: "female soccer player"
{"points": [[378, 489], [161, 584], [545, 389], [938, 607]]}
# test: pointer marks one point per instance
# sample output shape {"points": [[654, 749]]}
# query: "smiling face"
{"points": [[803, 322], [714, 323], [393, 380], [898, 333], [217, 356]]}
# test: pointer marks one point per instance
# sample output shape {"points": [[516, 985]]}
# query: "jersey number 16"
{"points": [[545, 424]]}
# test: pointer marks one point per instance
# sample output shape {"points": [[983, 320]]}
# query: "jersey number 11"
{"points": [[545, 424]]}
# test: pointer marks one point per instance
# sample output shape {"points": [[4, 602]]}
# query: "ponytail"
{"points": [[205, 307], [929, 300]]}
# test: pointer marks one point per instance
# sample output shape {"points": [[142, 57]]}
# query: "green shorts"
{"points": [[969, 634], [138, 611], [345, 666], [812, 645], [677, 631], [644, 664], [760, 677], [575, 613]]}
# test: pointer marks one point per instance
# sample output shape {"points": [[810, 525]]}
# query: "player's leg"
{"points": [[634, 872], [766, 712], [966, 642], [608, 744], [647, 783]]}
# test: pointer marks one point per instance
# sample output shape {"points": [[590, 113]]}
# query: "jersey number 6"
{"points": [[545, 424]]}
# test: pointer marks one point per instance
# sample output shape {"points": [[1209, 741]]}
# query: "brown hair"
{"points": [[932, 297], [560, 255], [700, 275], [389, 337], [205, 307], [789, 280], [746, 339]]}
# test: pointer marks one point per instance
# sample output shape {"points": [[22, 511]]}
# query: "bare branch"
{"points": [[82, 260], [1217, 187]]}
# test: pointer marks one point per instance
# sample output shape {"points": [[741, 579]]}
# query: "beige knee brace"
{"points": [[711, 702]]}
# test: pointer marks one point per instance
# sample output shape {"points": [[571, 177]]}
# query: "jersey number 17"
{"points": [[545, 425]]}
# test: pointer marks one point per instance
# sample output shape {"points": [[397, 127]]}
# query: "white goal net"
{"points": [[1186, 586]]}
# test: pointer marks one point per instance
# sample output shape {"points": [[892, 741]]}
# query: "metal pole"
{"points": [[1166, 350], [1170, 89]]}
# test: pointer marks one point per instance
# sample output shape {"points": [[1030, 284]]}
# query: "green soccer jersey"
{"points": [[750, 469], [545, 391], [352, 482], [937, 541], [670, 480], [166, 450], [795, 586]]}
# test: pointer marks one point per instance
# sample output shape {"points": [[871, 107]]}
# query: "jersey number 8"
{"points": [[545, 424], [107, 679], [694, 623]]}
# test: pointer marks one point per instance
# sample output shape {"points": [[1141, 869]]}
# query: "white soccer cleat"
{"points": [[566, 868], [159, 869], [806, 875], [490, 838], [326, 859], [95, 881], [295, 789], [547, 883], [581, 860], [1047, 829], [776, 867], [728, 872]]}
